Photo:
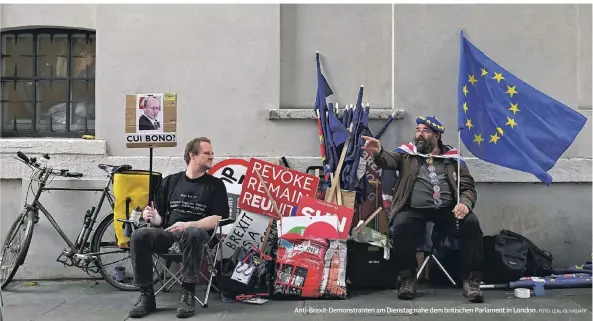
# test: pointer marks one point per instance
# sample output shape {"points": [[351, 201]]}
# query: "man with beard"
{"points": [[426, 190], [189, 204]]}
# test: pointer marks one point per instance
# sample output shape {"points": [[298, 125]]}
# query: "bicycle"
{"points": [[80, 253]]}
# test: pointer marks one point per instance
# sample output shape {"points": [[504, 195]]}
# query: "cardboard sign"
{"points": [[325, 227], [151, 120], [232, 172], [287, 187], [310, 206], [249, 229]]}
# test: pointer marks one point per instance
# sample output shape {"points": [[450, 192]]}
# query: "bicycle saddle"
{"points": [[114, 168]]}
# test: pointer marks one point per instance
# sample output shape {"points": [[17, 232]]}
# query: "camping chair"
{"points": [[438, 240], [211, 253]]}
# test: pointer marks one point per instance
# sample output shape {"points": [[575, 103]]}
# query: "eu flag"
{"points": [[506, 122]]}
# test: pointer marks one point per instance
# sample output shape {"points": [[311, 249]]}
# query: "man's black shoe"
{"points": [[471, 288], [407, 289], [146, 303], [187, 304]]}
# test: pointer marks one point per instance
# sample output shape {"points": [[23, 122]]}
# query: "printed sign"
{"points": [[151, 120], [249, 230], [325, 227], [232, 172], [310, 206], [286, 186]]}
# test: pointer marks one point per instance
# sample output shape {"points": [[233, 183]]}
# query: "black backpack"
{"points": [[508, 256], [539, 261]]}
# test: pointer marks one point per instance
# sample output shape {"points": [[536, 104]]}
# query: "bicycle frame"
{"points": [[77, 247]]}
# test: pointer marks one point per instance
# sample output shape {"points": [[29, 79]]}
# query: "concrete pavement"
{"points": [[97, 301]]}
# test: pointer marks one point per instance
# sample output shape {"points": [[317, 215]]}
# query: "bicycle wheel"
{"points": [[102, 243], [117, 257], [15, 247]]}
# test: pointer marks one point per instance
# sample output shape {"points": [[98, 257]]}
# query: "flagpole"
{"points": [[458, 171]]}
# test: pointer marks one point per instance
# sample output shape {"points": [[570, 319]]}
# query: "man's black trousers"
{"points": [[149, 240], [407, 231]]}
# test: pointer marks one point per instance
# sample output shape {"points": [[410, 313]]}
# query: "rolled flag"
{"points": [[551, 282], [384, 127]]}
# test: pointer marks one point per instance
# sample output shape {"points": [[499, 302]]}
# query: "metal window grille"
{"points": [[47, 79]]}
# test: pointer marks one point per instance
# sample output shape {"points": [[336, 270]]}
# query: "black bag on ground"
{"points": [[367, 269], [539, 262], [505, 258], [508, 256], [259, 280]]}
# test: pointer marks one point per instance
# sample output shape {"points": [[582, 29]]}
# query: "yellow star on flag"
{"points": [[498, 76], [511, 122], [472, 79], [465, 90], [484, 72], [469, 124], [500, 131], [478, 138], [511, 90], [494, 138], [465, 109], [514, 108]]}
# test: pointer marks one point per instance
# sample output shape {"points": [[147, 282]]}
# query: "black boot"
{"points": [[471, 288], [407, 287], [187, 303], [146, 303]]}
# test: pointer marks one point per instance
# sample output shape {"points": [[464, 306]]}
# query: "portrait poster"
{"points": [[151, 120]]}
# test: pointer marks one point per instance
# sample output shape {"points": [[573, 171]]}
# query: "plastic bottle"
{"points": [[136, 215]]}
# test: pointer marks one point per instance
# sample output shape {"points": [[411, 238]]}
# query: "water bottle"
{"points": [[136, 215]]}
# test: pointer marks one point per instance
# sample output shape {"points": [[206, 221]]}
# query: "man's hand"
{"points": [[177, 227], [371, 145], [148, 214], [460, 211]]}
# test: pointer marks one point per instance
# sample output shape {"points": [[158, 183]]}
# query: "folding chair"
{"points": [[438, 239], [211, 252]]}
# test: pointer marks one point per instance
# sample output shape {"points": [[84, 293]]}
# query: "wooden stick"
{"points": [[338, 173], [359, 228], [261, 180], [339, 193]]}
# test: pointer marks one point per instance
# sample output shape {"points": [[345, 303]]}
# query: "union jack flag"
{"points": [[410, 149]]}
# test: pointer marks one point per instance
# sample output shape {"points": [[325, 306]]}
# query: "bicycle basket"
{"points": [[130, 189]]}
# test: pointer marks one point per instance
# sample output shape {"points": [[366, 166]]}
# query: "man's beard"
{"points": [[424, 146]]}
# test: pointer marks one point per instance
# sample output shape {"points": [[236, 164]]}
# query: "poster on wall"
{"points": [[151, 120]]}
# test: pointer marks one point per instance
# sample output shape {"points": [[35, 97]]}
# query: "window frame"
{"points": [[34, 132]]}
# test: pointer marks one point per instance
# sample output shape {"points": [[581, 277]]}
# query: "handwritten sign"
{"points": [[249, 230], [287, 187], [310, 206]]}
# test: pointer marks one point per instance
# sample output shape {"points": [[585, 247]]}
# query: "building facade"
{"points": [[245, 77]]}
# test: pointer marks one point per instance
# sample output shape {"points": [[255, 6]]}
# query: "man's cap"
{"points": [[431, 122]]}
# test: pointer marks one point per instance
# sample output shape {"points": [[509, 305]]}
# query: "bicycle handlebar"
{"points": [[33, 162]]}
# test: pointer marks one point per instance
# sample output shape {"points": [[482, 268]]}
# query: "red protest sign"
{"points": [[310, 206], [286, 186]]}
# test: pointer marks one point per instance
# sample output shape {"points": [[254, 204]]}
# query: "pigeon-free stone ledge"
{"points": [[309, 113]]}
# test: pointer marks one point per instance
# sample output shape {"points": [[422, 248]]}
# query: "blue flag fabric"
{"points": [[506, 122]]}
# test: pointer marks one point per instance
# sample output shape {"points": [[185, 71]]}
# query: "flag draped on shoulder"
{"points": [[410, 149], [507, 122]]}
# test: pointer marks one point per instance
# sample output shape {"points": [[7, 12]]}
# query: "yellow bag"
{"points": [[130, 189]]}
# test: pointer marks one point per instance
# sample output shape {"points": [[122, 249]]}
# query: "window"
{"points": [[48, 83]]}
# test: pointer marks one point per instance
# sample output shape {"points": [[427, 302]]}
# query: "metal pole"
{"points": [[150, 176]]}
